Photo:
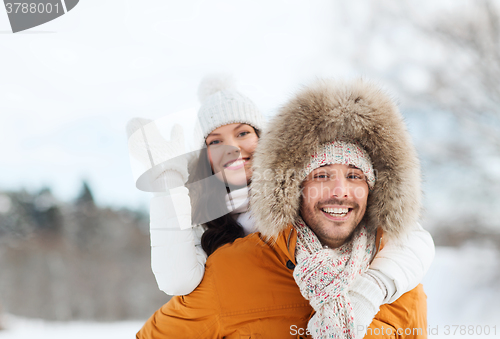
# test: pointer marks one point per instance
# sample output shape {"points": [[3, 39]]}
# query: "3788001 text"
{"points": [[24, 7], [470, 330]]}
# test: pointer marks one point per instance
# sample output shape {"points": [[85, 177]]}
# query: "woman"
{"points": [[229, 157], [230, 125]]}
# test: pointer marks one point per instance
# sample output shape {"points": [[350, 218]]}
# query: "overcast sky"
{"points": [[68, 87]]}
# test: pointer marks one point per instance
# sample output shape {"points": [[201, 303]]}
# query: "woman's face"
{"points": [[230, 152]]}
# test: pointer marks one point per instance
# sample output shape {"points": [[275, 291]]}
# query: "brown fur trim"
{"points": [[358, 111]]}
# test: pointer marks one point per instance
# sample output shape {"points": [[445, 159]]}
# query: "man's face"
{"points": [[334, 202]]}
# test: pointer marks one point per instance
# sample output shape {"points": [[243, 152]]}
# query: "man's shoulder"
{"points": [[256, 245], [251, 255], [245, 248], [254, 272]]}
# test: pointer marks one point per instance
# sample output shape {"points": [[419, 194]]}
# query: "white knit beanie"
{"points": [[222, 104]]}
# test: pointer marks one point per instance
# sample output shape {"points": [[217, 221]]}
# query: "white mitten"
{"points": [[166, 160], [366, 294]]}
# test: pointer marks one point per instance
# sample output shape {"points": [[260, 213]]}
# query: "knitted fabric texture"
{"points": [[227, 107], [237, 203], [237, 200], [345, 153], [324, 276]]}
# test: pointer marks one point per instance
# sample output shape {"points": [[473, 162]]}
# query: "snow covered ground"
{"points": [[462, 289], [19, 328]]}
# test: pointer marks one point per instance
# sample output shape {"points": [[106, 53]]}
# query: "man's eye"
{"points": [[354, 176]]}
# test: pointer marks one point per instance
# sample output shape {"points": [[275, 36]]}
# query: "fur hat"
{"points": [[222, 104], [357, 111]]}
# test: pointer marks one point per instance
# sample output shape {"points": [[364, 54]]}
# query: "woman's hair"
{"points": [[209, 200]]}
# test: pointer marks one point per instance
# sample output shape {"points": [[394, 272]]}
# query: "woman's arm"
{"points": [[402, 266], [396, 269], [177, 259]]}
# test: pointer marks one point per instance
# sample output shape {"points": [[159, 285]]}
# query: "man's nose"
{"points": [[339, 187]]}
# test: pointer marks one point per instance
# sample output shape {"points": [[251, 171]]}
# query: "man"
{"points": [[335, 170]]}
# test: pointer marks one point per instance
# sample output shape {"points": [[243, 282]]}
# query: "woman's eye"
{"points": [[213, 142], [242, 134]]}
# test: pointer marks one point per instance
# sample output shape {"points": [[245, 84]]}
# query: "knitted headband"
{"points": [[345, 153]]}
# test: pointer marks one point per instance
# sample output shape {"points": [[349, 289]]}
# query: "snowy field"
{"points": [[462, 289], [463, 293], [19, 328]]}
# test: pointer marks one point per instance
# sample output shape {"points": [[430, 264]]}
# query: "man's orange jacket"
{"points": [[248, 291]]}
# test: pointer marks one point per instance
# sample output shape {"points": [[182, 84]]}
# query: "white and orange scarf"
{"points": [[324, 276]]}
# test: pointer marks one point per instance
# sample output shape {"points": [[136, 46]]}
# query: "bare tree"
{"points": [[468, 85], [456, 48], [443, 61]]}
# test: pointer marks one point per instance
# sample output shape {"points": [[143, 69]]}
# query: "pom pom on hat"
{"points": [[222, 104], [214, 83]]}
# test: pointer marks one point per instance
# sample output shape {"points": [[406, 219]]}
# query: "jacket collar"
{"points": [[287, 241]]}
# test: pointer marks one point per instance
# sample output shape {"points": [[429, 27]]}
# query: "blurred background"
{"points": [[74, 237]]}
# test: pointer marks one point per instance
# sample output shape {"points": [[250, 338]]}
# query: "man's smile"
{"points": [[337, 213]]}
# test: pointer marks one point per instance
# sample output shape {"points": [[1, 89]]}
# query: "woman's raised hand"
{"points": [[165, 160]]}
